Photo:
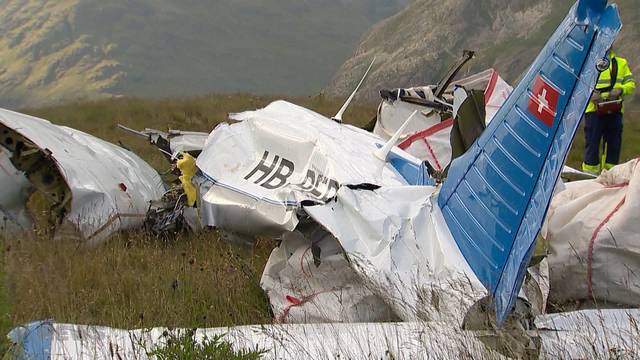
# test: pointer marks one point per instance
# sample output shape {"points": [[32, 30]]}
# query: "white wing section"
{"points": [[592, 334]]}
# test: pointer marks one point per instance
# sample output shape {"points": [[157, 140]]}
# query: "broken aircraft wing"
{"points": [[93, 187]]}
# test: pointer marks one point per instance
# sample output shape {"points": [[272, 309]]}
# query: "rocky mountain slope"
{"points": [[417, 45], [67, 49]]}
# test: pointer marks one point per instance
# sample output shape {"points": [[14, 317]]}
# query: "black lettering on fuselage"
{"points": [[280, 176], [279, 170], [263, 168]]}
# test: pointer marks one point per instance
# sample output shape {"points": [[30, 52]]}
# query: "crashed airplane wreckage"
{"points": [[373, 233], [89, 187], [427, 251]]}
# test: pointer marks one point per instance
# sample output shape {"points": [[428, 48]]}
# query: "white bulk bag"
{"points": [[593, 230]]}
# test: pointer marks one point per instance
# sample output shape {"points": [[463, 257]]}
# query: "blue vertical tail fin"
{"points": [[497, 194]]}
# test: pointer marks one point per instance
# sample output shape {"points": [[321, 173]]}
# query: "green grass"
{"points": [[185, 345], [134, 281]]}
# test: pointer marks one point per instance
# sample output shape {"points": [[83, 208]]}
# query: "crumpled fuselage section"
{"points": [[86, 187]]}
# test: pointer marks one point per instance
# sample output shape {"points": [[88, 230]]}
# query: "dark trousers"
{"points": [[607, 128]]}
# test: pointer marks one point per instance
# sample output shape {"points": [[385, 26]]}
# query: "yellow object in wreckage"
{"points": [[187, 166]]}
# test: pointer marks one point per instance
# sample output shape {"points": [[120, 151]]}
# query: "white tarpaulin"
{"points": [[110, 187], [495, 95], [432, 144], [593, 231], [392, 114], [279, 156]]}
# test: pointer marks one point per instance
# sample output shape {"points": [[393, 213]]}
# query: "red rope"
{"points": [[296, 302]]}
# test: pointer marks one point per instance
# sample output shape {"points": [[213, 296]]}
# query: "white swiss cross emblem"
{"points": [[543, 104]]}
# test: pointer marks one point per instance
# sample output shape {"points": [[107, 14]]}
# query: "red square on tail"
{"points": [[543, 103]]}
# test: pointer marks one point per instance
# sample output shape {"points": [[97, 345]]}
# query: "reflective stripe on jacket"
{"points": [[624, 80]]}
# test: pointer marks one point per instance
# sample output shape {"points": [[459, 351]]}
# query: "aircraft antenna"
{"points": [[384, 151], [338, 117]]}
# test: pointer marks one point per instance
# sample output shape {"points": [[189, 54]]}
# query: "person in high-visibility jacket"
{"points": [[604, 115]]}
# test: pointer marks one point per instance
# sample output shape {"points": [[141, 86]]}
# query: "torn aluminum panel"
{"points": [[261, 169], [14, 216], [396, 241], [186, 141], [605, 334], [93, 187], [570, 174]]}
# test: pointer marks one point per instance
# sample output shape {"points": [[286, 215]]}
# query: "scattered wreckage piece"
{"points": [[173, 142], [93, 188], [308, 279], [592, 232], [176, 211], [429, 135], [398, 243], [600, 334]]}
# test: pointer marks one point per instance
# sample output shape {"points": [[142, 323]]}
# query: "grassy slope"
{"points": [[133, 281]]}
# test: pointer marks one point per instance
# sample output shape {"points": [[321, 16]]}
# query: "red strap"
{"points": [[490, 87], [425, 133], [594, 236]]}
